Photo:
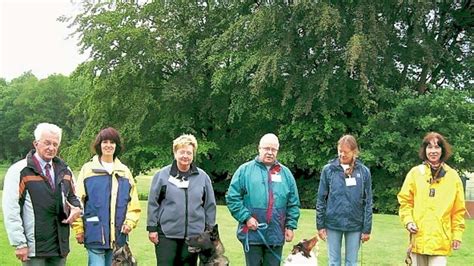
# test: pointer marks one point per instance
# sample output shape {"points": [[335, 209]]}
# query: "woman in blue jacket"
{"points": [[109, 195], [344, 203]]}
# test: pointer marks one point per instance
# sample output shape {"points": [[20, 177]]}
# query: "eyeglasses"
{"points": [[49, 143], [269, 149], [184, 152]]}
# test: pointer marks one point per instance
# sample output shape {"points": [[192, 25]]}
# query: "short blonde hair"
{"points": [[183, 140]]}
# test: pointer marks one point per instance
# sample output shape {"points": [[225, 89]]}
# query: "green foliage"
{"points": [[27, 101], [3, 171], [143, 196], [229, 72]]}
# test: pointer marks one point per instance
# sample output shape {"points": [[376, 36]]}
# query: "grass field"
{"points": [[386, 247]]}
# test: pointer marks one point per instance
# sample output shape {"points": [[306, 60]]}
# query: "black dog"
{"points": [[209, 247]]}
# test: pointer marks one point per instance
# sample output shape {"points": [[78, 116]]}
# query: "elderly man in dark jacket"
{"points": [[39, 202]]}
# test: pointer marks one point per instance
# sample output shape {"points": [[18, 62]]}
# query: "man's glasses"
{"points": [[269, 149], [49, 143]]}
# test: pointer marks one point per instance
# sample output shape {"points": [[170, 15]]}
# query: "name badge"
{"points": [[432, 192], [351, 181], [179, 182], [92, 219], [276, 178]]}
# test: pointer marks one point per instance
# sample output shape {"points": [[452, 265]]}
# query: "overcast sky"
{"points": [[31, 38]]}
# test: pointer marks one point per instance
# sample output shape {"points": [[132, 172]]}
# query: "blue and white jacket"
{"points": [[110, 200]]}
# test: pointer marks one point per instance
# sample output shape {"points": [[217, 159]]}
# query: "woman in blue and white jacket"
{"points": [[109, 195], [344, 203], [181, 204]]}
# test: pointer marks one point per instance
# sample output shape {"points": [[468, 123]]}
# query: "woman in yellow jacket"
{"points": [[432, 204]]}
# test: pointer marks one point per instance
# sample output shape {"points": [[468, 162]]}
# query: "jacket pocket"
{"points": [[94, 232], [170, 223]]}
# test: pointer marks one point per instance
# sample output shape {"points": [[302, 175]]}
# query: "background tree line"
{"points": [[385, 71]]}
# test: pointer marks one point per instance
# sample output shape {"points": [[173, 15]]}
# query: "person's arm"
{"points": [[321, 201], [457, 214], [406, 198], [153, 204], [293, 203], [367, 227], [133, 208], [235, 198], [78, 225], [12, 209], [73, 208], [210, 203], [72, 197]]}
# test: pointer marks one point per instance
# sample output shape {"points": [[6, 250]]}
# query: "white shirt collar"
{"points": [[41, 161]]}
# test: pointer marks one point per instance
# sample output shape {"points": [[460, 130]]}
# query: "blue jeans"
{"points": [[261, 255], [99, 257], [352, 244]]}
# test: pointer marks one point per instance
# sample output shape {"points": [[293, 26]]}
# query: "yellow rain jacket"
{"points": [[437, 209]]}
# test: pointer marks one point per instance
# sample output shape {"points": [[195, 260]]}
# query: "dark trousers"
{"points": [[45, 261], [171, 252], [260, 255]]}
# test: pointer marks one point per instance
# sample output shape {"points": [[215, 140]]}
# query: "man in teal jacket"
{"points": [[263, 198]]}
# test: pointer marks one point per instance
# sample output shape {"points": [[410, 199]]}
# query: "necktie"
{"points": [[47, 170], [270, 198]]}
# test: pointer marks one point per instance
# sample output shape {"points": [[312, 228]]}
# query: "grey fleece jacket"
{"points": [[178, 211]]}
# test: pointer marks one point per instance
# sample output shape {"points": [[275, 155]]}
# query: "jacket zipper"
{"points": [[110, 220], [103, 234], [186, 213]]}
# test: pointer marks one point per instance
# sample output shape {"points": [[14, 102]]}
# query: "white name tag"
{"points": [[178, 182], [92, 219], [351, 181], [276, 178]]}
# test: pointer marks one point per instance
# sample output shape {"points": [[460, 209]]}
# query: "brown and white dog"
{"points": [[209, 247], [302, 253]]}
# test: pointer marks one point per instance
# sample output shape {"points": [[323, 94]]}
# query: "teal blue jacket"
{"points": [[248, 196]]}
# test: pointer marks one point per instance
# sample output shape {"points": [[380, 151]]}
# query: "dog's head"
{"points": [[123, 256], [204, 241], [305, 246]]}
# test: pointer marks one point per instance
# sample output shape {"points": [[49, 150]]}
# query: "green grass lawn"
{"points": [[386, 247], [143, 183]]}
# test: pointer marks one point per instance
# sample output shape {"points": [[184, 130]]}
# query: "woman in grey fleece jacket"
{"points": [[181, 204]]}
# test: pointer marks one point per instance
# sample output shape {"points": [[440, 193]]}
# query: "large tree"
{"points": [[27, 101], [230, 72]]}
